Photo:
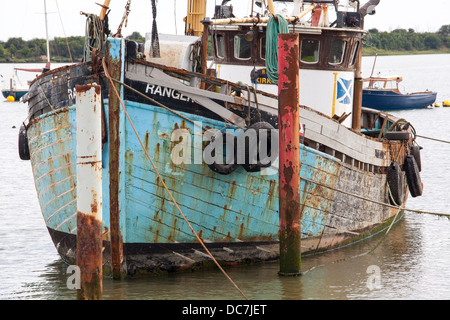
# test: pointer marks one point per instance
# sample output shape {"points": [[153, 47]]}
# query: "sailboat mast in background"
{"points": [[46, 31]]}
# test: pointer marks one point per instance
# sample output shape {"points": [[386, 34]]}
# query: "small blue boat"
{"points": [[14, 90], [384, 94], [17, 94], [18, 91]]}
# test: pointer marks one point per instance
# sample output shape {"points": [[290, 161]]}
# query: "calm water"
{"points": [[410, 263]]}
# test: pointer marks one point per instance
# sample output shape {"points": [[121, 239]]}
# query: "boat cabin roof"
{"points": [[384, 79], [390, 83]]}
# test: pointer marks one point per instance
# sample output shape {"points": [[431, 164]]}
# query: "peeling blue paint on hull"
{"points": [[236, 215]]}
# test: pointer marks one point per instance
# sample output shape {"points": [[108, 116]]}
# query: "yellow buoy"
{"points": [[10, 99], [446, 103], [437, 104]]}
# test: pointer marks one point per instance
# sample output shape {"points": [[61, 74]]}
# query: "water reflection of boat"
{"points": [[167, 86], [384, 94]]}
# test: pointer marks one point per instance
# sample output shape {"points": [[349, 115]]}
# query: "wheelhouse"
{"points": [[320, 48]]}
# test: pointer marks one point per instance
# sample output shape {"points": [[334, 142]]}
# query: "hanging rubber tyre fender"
{"points": [[415, 151], [229, 163], [253, 151], [413, 176], [397, 135], [394, 179], [24, 150]]}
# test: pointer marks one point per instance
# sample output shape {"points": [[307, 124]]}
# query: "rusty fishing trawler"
{"points": [[357, 166]]}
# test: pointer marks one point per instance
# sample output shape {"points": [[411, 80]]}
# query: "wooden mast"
{"points": [[105, 8], [271, 7], [195, 18], [196, 13]]}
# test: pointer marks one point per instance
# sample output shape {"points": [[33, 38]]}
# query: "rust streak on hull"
{"points": [[89, 256]]}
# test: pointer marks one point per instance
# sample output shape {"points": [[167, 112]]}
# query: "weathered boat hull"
{"points": [[236, 215], [387, 100]]}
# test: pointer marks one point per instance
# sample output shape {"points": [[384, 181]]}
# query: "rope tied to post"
{"points": [[276, 25], [94, 36]]}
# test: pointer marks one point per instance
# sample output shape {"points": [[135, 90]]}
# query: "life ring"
{"points": [[24, 150], [415, 151], [394, 179], [229, 162], [253, 161], [397, 135], [413, 176]]}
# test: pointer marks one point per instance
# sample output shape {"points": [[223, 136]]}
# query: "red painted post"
{"points": [[289, 154]]}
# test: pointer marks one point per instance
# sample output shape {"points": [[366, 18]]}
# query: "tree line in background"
{"points": [[402, 40], [18, 50]]}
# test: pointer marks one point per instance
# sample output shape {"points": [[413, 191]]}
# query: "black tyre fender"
{"points": [[397, 135], [255, 148], [394, 179], [413, 176], [229, 164], [24, 151], [415, 151]]}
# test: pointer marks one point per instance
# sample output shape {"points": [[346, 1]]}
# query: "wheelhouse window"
{"points": [[220, 46], [337, 51], [263, 48], [310, 51], [354, 53], [242, 47]]}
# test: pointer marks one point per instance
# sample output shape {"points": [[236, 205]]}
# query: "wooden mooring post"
{"points": [[289, 154], [116, 129], [89, 191]]}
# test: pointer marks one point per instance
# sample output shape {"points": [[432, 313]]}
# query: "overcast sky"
{"points": [[25, 18]]}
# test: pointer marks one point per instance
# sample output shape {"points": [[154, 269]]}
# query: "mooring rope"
{"points": [[375, 201], [45, 96], [64, 31], [361, 254], [434, 139], [275, 26], [94, 36], [164, 184], [372, 249]]}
